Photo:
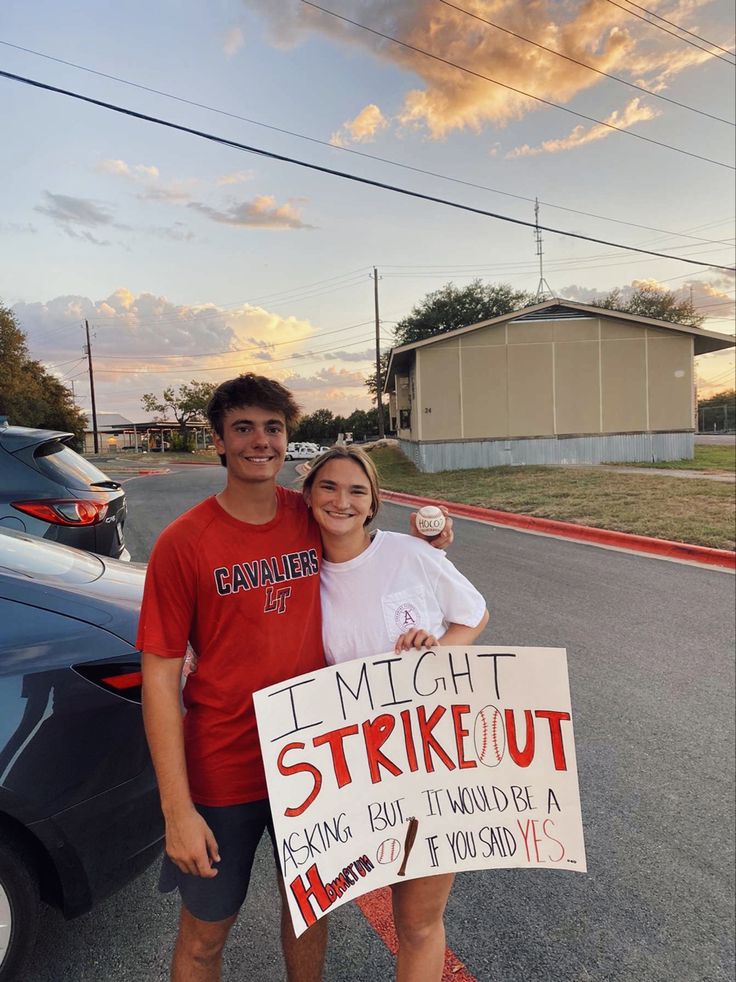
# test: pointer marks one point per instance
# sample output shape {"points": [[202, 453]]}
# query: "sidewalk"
{"points": [[662, 472]]}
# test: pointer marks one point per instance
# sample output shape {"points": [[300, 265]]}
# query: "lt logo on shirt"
{"points": [[406, 617], [276, 598]]}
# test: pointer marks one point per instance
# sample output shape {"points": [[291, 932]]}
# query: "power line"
{"points": [[512, 88], [342, 174], [679, 37], [590, 68], [672, 24], [350, 150]]}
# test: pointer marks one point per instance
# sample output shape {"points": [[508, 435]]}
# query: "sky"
{"points": [[195, 260]]}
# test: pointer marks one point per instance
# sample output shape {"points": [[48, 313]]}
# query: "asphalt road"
{"points": [[651, 658]]}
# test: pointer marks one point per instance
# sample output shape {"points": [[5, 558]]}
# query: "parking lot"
{"points": [[650, 649]]}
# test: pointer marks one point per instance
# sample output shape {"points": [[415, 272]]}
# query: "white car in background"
{"points": [[300, 451]]}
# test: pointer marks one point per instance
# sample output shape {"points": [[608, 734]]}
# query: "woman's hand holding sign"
{"points": [[417, 637]]}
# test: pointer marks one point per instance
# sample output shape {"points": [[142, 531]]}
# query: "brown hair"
{"points": [[361, 458], [250, 390]]}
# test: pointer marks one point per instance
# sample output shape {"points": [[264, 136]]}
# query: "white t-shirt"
{"points": [[396, 584]]}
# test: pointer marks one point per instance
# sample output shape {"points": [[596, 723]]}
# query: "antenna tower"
{"points": [[544, 290]]}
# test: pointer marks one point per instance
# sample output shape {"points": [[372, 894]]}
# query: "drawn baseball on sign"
{"points": [[389, 851], [489, 736]]}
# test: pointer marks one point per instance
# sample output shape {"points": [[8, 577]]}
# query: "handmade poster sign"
{"points": [[443, 760]]}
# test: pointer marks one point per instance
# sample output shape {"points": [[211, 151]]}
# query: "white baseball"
{"points": [[430, 520], [489, 736]]}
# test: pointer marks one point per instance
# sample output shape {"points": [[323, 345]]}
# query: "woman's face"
{"points": [[340, 497]]}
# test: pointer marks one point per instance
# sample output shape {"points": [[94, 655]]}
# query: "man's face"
{"points": [[254, 441]]}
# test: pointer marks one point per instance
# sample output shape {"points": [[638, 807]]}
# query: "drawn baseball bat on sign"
{"points": [[411, 834]]}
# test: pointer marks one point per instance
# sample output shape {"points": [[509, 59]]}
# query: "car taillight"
{"points": [[123, 679], [64, 511]]}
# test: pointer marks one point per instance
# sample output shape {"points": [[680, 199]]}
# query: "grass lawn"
{"points": [[707, 458], [685, 510]]}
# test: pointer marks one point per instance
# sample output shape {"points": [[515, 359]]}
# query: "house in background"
{"points": [[555, 383]]}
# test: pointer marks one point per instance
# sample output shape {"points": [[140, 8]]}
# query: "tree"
{"points": [[452, 307], [29, 395], [317, 427], [186, 405], [651, 301]]}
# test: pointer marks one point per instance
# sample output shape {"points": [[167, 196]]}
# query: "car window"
{"points": [[32, 558], [64, 465]]}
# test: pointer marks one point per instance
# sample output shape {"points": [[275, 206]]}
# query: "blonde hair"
{"points": [[361, 458]]}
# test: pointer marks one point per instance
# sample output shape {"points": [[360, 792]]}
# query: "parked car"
{"points": [[49, 490], [300, 451], [79, 809]]}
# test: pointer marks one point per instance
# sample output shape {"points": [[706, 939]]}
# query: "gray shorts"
{"points": [[238, 830]]}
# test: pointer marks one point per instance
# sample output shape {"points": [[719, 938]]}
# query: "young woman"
{"points": [[382, 590]]}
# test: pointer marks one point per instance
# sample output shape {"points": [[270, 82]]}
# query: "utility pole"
{"points": [[541, 293], [379, 383], [88, 349]]}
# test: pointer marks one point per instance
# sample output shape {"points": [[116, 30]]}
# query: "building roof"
{"points": [[559, 309], [108, 421]]}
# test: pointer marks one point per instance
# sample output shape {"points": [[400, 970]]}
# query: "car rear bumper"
{"points": [[102, 843]]}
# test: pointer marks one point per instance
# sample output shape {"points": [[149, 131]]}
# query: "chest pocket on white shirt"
{"points": [[404, 611]]}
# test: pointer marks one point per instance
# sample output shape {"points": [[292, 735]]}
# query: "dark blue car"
{"points": [[79, 809], [49, 490]]}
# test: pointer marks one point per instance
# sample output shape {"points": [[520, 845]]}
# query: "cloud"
{"points": [[177, 192], [260, 212], [233, 41], [328, 379], [122, 169], [131, 331], [369, 354], [15, 228], [138, 327], [239, 177], [599, 34], [624, 119], [178, 232], [67, 210], [362, 129], [148, 177]]}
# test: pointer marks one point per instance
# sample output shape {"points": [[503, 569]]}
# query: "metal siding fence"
{"points": [[611, 448]]}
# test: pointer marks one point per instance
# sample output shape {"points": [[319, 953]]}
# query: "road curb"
{"points": [[581, 533], [193, 463]]}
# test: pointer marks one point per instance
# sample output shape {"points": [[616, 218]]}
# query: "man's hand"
{"points": [[445, 537], [190, 843]]}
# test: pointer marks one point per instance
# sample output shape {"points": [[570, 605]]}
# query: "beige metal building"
{"points": [[558, 382]]}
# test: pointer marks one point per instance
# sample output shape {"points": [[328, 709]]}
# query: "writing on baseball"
{"points": [[406, 765]]}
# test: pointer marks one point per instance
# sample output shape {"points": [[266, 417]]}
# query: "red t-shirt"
{"points": [[247, 598]]}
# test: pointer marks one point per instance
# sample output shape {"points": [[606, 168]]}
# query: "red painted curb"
{"points": [[194, 463], [582, 533], [376, 908]]}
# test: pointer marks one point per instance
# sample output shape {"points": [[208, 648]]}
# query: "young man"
{"points": [[237, 576]]}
